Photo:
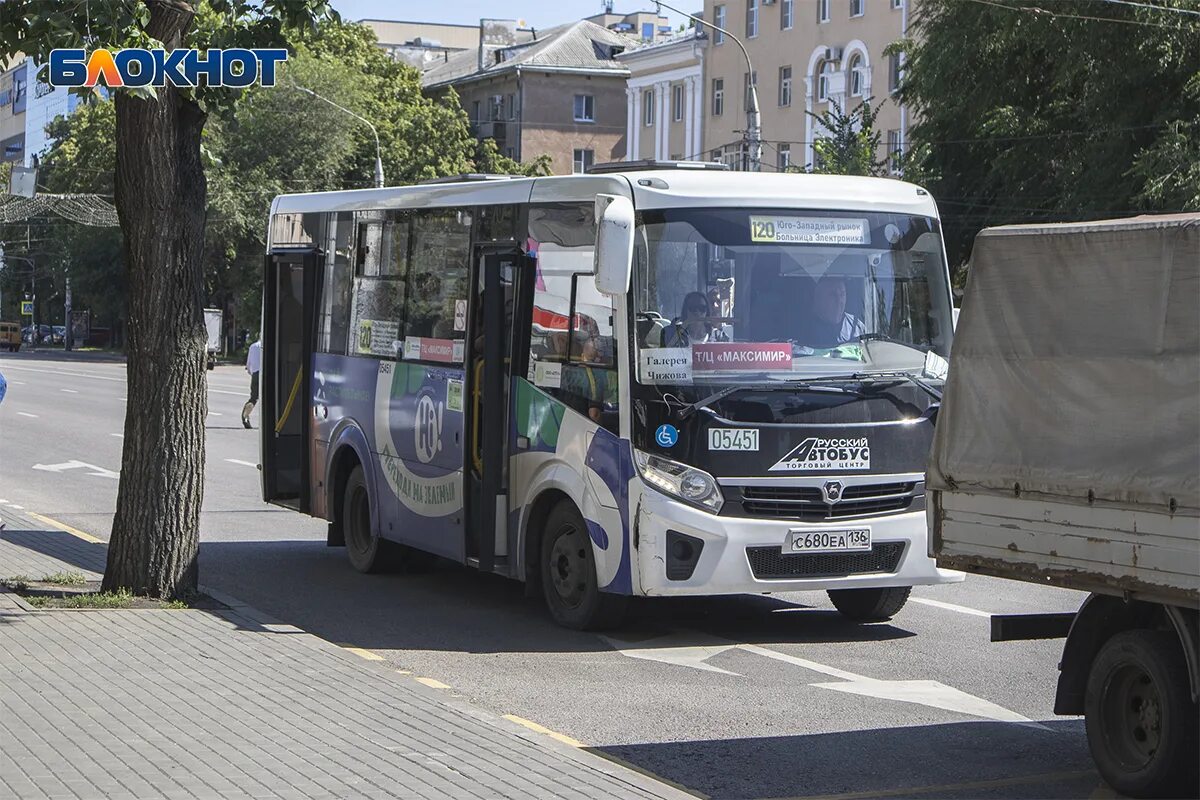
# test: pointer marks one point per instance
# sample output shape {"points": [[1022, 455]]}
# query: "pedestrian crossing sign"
{"points": [[27, 308]]}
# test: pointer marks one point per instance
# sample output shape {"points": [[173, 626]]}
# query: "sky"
{"points": [[537, 13]]}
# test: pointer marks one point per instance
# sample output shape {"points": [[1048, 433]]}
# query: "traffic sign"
{"points": [[27, 308]]}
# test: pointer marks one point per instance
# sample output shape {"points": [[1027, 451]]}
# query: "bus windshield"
{"points": [[737, 295]]}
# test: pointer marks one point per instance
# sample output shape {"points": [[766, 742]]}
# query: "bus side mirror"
{"points": [[614, 244]]}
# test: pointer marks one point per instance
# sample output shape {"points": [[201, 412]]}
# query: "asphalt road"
{"points": [[738, 697]]}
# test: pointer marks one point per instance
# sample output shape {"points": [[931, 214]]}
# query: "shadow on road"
{"points": [[453, 608], [954, 760]]}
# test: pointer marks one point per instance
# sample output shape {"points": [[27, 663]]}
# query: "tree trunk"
{"points": [[160, 197]]}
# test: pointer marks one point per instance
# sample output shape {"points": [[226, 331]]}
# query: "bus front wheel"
{"points": [[870, 605], [367, 552], [568, 572]]}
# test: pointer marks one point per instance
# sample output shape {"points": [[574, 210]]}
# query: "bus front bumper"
{"points": [[745, 556]]}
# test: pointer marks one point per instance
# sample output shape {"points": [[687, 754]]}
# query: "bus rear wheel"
{"points": [[870, 605], [367, 552], [568, 572]]}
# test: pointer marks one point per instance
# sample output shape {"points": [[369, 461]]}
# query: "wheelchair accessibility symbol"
{"points": [[666, 435]]}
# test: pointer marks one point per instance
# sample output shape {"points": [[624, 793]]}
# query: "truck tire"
{"points": [[568, 572], [870, 605], [1140, 718]]}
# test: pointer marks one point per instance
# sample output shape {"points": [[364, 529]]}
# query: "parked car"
{"points": [[58, 334]]}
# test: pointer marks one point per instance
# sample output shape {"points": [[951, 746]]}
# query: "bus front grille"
{"points": [[770, 563], [805, 503]]}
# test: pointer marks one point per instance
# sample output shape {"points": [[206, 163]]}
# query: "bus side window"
{"points": [[439, 260], [334, 327], [379, 283]]}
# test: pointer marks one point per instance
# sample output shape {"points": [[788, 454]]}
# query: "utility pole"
{"points": [[752, 137], [67, 335]]}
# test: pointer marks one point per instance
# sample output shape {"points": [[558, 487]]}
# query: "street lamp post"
{"points": [[753, 135], [364, 120]]}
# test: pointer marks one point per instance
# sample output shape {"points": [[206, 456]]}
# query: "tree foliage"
{"points": [[849, 142], [1028, 111]]}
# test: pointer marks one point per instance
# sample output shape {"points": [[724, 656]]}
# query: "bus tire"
{"points": [[568, 572], [366, 551], [1140, 719], [870, 605]]}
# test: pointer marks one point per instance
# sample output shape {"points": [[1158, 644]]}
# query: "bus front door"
{"points": [[289, 320], [496, 280]]}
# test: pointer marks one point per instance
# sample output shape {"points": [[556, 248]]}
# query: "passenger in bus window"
{"points": [[589, 386], [693, 325], [829, 323]]}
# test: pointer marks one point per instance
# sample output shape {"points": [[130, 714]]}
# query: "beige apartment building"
{"points": [[665, 99], [805, 53], [561, 94]]}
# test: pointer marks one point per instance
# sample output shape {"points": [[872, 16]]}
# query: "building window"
{"points": [[895, 151], [822, 10], [856, 75], [750, 79], [585, 108], [648, 108], [785, 157], [897, 3], [475, 119], [824, 74], [894, 72], [677, 103], [786, 12], [496, 110], [858, 8], [719, 21], [751, 18], [510, 105], [648, 31], [583, 160], [718, 96], [785, 86]]}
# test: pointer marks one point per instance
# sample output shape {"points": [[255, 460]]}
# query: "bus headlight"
{"points": [[679, 480]]}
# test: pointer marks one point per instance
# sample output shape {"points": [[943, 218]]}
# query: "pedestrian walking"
{"points": [[253, 366]]}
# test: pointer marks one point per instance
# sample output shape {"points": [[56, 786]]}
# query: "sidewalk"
{"points": [[229, 704]]}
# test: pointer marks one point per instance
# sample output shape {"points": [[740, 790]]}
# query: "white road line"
{"points": [[69, 391], [215, 414], [222, 391], [118, 435], [18, 508], [3, 502], [243, 463], [27, 414], [63, 372], [950, 607], [16, 383]]}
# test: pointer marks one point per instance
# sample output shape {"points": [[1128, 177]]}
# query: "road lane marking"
{"points": [[362, 652], [998, 783], [542, 729], [18, 508], [62, 526], [215, 414], [16, 383], [432, 683], [64, 372], [950, 607], [69, 391], [243, 463], [27, 414], [99, 472], [689, 650], [118, 435], [222, 391]]}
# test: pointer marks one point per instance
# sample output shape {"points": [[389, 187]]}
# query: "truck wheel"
{"points": [[870, 605], [568, 572], [367, 552], [1140, 718]]}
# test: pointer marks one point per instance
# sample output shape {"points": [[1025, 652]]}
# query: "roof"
{"points": [[576, 47]]}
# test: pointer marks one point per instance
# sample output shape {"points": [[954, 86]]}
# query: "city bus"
{"points": [[654, 379]]}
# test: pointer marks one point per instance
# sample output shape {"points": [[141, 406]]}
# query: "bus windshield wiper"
{"points": [[936, 394], [883, 337], [783, 386]]}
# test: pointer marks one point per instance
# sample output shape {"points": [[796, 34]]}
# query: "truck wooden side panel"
{"points": [[1152, 556]]}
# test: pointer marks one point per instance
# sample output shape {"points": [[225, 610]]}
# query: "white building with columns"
{"points": [[665, 97]]}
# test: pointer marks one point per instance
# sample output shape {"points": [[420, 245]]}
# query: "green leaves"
{"points": [[848, 142], [1035, 116]]}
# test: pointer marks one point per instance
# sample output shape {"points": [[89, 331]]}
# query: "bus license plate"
{"points": [[733, 438], [840, 541]]}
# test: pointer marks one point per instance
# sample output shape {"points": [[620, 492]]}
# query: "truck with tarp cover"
{"points": [[1067, 453]]}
